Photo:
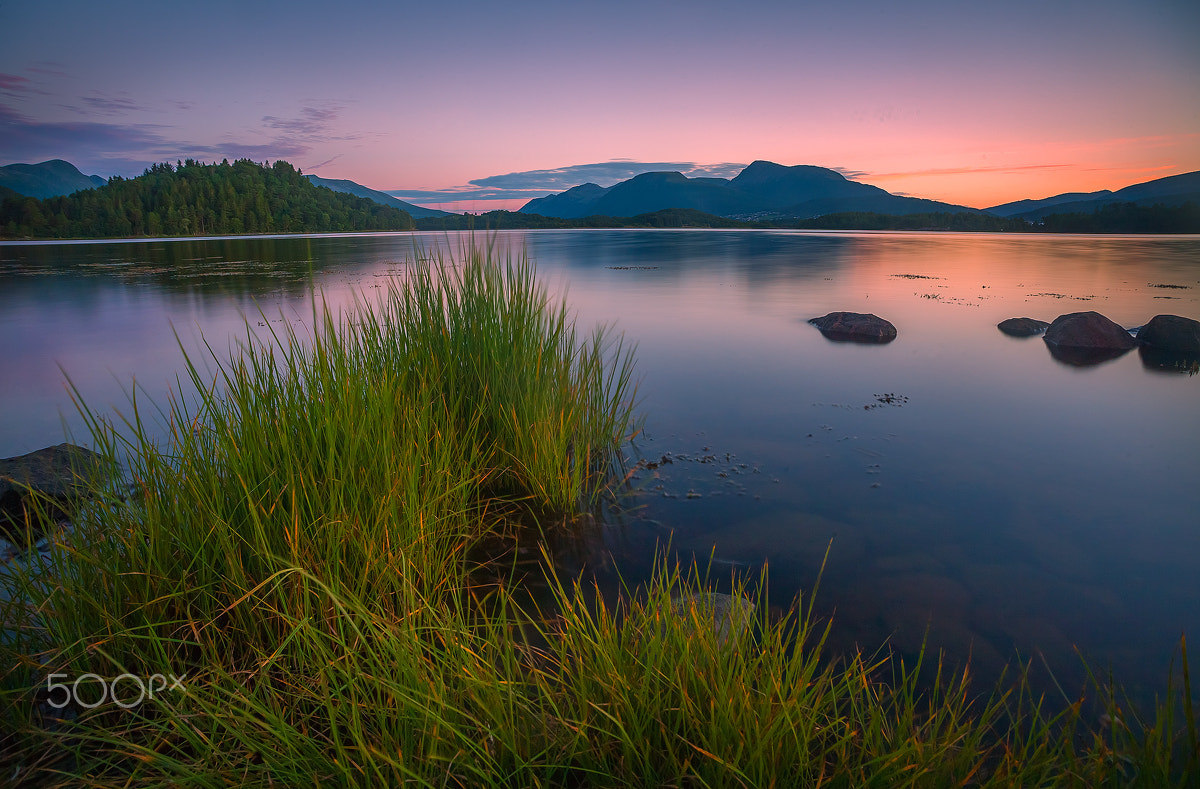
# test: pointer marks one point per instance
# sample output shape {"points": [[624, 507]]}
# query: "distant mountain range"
{"points": [[48, 179], [764, 190], [1172, 190], [358, 190]]}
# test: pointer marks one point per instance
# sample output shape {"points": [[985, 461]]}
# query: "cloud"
{"points": [[324, 163], [99, 104], [48, 68], [966, 170], [89, 144], [123, 149], [312, 123], [853, 175], [458, 194], [538, 183], [603, 173], [13, 85]]}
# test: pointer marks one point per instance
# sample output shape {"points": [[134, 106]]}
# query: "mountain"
{"points": [[763, 190], [358, 190], [574, 203], [47, 179], [1171, 191]]}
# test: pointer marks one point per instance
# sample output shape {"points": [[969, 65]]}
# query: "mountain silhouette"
{"points": [[1172, 190], [358, 190], [763, 190], [47, 179]]}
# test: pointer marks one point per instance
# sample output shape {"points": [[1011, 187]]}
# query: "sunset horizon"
{"points": [[974, 106]]}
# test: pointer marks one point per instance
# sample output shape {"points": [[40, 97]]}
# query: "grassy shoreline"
{"points": [[298, 554]]}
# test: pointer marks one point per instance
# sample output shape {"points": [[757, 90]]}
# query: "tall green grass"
{"points": [[297, 552]]}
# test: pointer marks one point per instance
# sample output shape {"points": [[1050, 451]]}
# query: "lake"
{"points": [[966, 484]]}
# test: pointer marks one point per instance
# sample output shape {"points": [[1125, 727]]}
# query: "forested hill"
{"points": [[196, 199]]}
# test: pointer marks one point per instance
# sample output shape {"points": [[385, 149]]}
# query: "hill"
{"points": [[762, 191], [47, 179], [1174, 190], [195, 199], [350, 187]]}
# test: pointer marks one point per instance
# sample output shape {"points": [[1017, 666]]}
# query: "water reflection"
{"points": [[1084, 357], [963, 481], [1167, 361]]}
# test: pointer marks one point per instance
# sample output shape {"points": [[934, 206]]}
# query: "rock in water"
{"points": [[1022, 327], [1088, 330], [730, 615], [1171, 333], [59, 473], [1081, 339], [1171, 344], [855, 327]]}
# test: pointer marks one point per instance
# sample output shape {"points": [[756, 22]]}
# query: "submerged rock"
{"points": [[1022, 327], [731, 615], [1171, 333], [855, 327], [57, 473]]}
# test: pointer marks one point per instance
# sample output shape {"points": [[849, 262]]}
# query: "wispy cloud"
{"points": [[463, 194], [100, 104], [325, 163], [49, 69], [90, 144], [853, 175], [602, 173], [538, 183], [16, 86], [964, 170], [124, 149], [311, 122]]}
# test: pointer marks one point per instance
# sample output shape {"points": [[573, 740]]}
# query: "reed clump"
{"points": [[295, 554]]}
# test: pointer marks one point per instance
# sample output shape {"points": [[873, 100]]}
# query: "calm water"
{"points": [[970, 483]]}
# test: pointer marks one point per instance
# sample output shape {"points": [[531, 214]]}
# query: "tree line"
{"points": [[197, 199]]}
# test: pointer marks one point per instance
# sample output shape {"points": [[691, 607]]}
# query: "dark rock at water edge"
{"points": [[58, 475], [1088, 330], [1022, 327], [855, 327], [1171, 333]]}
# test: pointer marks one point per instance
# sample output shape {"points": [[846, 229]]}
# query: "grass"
{"points": [[297, 552]]}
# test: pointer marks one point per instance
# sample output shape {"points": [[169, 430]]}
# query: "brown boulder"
{"points": [[1022, 327], [1171, 344], [1171, 333], [1082, 339], [855, 327], [1088, 330]]}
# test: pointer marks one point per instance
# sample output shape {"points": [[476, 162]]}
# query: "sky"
{"points": [[481, 105]]}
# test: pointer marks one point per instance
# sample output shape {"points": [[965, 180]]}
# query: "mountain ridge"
{"points": [[358, 190], [762, 190], [51, 178], [1171, 190]]}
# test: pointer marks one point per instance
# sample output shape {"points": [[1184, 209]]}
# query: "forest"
{"points": [[197, 199]]}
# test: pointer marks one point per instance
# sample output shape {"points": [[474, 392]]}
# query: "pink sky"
{"points": [[958, 101]]}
